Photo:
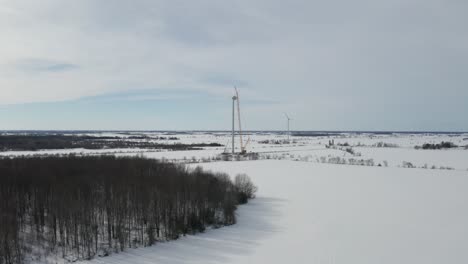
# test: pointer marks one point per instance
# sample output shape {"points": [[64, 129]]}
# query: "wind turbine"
{"points": [[289, 119], [243, 146], [234, 98]]}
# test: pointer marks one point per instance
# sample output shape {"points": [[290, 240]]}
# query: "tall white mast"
{"points": [[242, 147], [289, 119], [234, 98]]}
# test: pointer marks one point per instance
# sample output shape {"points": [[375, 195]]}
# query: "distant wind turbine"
{"points": [[289, 119]]}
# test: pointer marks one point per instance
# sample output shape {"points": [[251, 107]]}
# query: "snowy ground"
{"points": [[311, 210], [323, 213], [311, 148]]}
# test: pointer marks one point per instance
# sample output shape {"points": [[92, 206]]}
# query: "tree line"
{"points": [[441, 145], [36, 142], [80, 207]]}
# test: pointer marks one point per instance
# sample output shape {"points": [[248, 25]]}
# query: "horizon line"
{"points": [[228, 130]]}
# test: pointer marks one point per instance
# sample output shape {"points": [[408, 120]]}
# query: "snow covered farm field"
{"points": [[366, 198], [323, 213]]}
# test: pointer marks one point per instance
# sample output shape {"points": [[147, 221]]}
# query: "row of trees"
{"points": [[80, 207], [36, 142], [441, 145]]}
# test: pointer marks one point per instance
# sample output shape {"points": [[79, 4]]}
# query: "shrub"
{"points": [[350, 151], [385, 145], [407, 164], [245, 188]]}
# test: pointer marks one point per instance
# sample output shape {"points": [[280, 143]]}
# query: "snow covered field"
{"points": [[323, 213], [309, 148], [314, 207]]}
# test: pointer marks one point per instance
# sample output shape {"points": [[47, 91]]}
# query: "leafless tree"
{"points": [[245, 188]]}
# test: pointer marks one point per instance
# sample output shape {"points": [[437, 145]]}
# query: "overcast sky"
{"points": [[157, 65]]}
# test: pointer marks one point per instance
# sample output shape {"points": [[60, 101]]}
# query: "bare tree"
{"points": [[245, 188]]}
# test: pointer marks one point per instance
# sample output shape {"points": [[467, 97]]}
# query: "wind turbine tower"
{"points": [[289, 119], [242, 144], [234, 98]]}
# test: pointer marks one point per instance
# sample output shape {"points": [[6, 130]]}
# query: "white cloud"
{"points": [[305, 53]]}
